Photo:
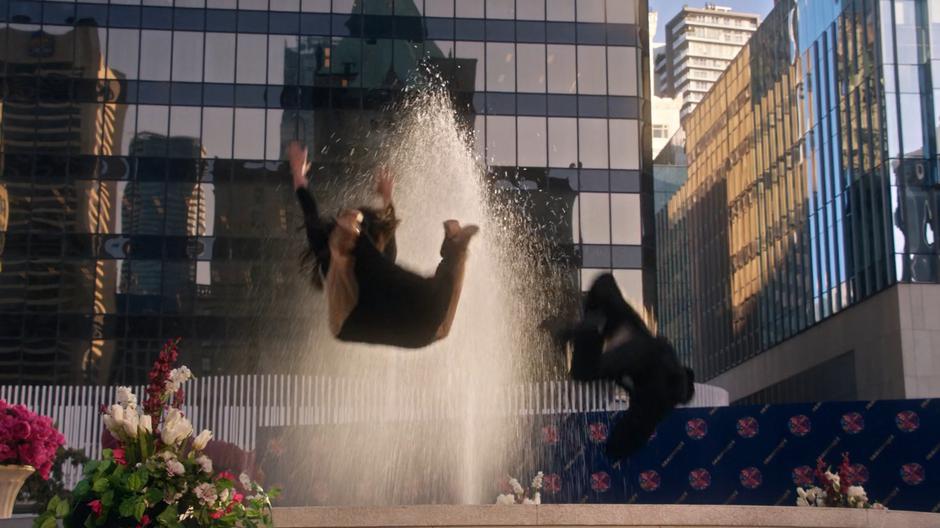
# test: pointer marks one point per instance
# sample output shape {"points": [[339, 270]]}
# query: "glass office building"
{"points": [[807, 228], [144, 195]]}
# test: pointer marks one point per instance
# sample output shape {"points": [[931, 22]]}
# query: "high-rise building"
{"points": [[177, 117], [665, 110], [806, 234], [700, 43]]}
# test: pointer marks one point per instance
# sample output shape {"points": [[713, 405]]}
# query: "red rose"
{"points": [[96, 507], [144, 521], [118, 455]]}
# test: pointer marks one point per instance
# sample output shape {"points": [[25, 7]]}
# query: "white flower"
{"points": [[225, 495], [125, 397], [114, 420], [516, 487], [205, 463], [176, 428], [833, 478], [800, 501], [174, 467], [856, 492], [245, 480], [206, 493], [177, 377], [200, 442], [145, 425], [537, 498], [537, 481], [117, 413], [528, 501], [506, 499], [131, 421]]}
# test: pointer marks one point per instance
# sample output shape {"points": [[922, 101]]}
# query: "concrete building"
{"points": [[803, 245], [700, 43], [665, 110]]}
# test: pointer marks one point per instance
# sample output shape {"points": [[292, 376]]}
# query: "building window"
{"points": [[660, 132]]}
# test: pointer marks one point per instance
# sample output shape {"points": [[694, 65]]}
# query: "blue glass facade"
{"points": [[144, 196], [821, 144]]}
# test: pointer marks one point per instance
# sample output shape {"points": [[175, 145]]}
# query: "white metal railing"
{"points": [[234, 407]]}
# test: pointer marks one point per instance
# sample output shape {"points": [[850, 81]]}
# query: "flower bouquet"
{"points": [[837, 489], [514, 493], [159, 476], [28, 443]]}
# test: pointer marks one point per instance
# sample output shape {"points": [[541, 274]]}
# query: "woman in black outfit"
{"points": [[371, 298]]}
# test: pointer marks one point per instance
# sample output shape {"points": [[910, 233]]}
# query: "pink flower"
{"points": [[96, 507], [21, 430], [238, 497], [144, 521], [118, 455], [227, 476], [217, 514]]}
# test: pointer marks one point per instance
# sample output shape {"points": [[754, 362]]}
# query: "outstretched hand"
{"points": [[297, 155], [384, 184]]}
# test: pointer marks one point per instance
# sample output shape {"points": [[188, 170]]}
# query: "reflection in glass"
{"points": [[532, 141], [500, 67], [250, 65], [501, 140], [500, 9], [154, 60], [469, 8], [187, 56], [274, 145], [625, 218], [217, 132], [624, 132], [562, 142], [562, 76], [249, 133], [621, 11], [185, 122], [591, 10], [476, 53], [152, 119], [622, 78], [592, 71], [530, 9], [439, 8], [531, 65], [560, 10], [220, 57], [592, 215], [123, 51], [592, 142], [278, 55]]}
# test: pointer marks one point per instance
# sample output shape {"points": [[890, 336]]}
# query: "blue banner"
{"points": [[753, 455]]}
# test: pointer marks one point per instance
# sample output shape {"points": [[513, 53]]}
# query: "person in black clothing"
{"points": [[612, 342], [372, 299]]}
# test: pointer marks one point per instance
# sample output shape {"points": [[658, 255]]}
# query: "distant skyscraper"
{"points": [[665, 110], [700, 43]]}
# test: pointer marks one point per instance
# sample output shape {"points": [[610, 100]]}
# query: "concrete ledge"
{"points": [[578, 515]]}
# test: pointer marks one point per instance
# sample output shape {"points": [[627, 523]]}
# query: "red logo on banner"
{"points": [[800, 425], [748, 427], [700, 479], [598, 432], [803, 476], [551, 483], [650, 480], [913, 474], [550, 434], [751, 478], [853, 423], [907, 421], [600, 482], [856, 474], [696, 428]]}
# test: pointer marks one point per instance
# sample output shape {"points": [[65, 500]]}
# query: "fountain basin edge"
{"points": [[584, 515]]}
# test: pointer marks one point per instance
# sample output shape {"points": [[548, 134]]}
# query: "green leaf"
{"points": [[107, 498], [154, 495], [126, 509], [46, 520], [169, 516], [100, 485], [62, 509], [81, 489], [90, 521], [53, 503], [139, 508], [138, 479], [91, 466], [107, 454]]}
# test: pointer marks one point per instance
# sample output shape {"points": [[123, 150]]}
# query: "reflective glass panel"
{"points": [[560, 10], [220, 57], [252, 59], [187, 56], [531, 66], [532, 142], [592, 143], [562, 142], [500, 67], [592, 70], [562, 76], [501, 140]]}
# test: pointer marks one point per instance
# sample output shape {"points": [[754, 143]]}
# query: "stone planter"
{"points": [[11, 480]]}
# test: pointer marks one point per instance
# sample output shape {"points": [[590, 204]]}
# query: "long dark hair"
{"points": [[377, 224]]}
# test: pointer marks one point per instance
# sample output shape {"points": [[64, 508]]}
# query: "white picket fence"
{"points": [[234, 407]]}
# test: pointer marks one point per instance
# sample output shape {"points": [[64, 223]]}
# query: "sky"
{"points": [[668, 9]]}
